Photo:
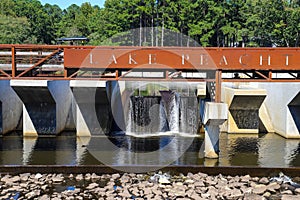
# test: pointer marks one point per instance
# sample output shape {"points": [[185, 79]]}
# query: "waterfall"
{"points": [[144, 115], [169, 112], [171, 105], [189, 115]]}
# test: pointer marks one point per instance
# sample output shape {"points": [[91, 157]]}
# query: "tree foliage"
{"points": [[208, 22]]}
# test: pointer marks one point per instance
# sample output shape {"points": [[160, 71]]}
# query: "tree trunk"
{"points": [[162, 32], [140, 30], [152, 31]]}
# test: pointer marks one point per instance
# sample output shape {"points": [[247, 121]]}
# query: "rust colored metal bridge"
{"points": [[53, 62]]}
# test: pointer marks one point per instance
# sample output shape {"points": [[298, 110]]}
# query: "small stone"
{"points": [[206, 196], [189, 193], [195, 196], [149, 196], [259, 189], [147, 191], [212, 191], [272, 187], [79, 177], [286, 186], [256, 179], [263, 180], [44, 187], [236, 193], [199, 184], [287, 192], [6, 179], [24, 185], [125, 194], [95, 177], [297, 190], [245, 179], [202, 175], [24, 177], [124, 179], [87, 177], [178, 184], [57, 179], [290, 197], [164, 180], [5, 196], [44, 197], [157, 192], [15, 179], [189, 181], [267, 194], [253, 197], [115, 176], [38, 176], [92, 186], [32, 194], [246, 190], [134, 190]]}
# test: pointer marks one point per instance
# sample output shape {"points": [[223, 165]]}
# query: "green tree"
{"points": [[17, 32]]}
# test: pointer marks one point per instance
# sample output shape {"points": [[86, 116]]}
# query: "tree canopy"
{"points": [[221, 23]]}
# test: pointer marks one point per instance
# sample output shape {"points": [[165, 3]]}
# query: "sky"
{"points": [[66, 3]]}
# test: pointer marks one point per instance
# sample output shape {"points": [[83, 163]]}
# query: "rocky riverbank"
{"points": [[146, 186]]}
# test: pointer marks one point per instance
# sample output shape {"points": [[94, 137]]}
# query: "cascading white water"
{"points": [[168, 113], [174, 114]]}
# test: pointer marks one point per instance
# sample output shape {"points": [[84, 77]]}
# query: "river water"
{"points": [[267, 150]]}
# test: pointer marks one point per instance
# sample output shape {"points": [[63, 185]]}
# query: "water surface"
{"points": [[267, 150]]}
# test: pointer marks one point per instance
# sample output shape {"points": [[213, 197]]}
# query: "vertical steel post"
{"points": [[218, 86], [65, 69], [13, 62]]}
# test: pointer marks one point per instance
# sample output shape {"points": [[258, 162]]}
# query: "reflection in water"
{"points": [[268, 150]]}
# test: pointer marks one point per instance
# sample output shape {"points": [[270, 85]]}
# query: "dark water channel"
{"points": [[268, 150]]}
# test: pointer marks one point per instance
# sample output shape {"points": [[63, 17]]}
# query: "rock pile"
{"points": [[143, 186]]}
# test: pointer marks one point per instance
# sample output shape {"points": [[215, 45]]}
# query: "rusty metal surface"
{"points": [[263, 62], [233, 171]]}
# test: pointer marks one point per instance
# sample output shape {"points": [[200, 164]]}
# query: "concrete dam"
{"points": [[47, 89]]}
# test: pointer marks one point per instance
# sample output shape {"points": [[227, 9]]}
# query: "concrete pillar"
{"points": [[91, 107], [213, 115], [244, 109], [10, 108], [45, 105], [283, 106], [114, 92]]}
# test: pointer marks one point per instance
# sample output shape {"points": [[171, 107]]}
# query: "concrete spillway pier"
{"points": [[46, 105], [213, 115], [96, 107], [283, 105], [10, 108], [91, 107], [246, 112]]}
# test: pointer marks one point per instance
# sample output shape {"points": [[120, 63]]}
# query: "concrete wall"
{"points": [[62, 94], [244, 104], [91, 107], [115, 90], [282, 104], [10, 108], [45, 105]]}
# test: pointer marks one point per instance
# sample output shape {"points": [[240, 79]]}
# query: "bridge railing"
{"points": [[140, 63]]}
